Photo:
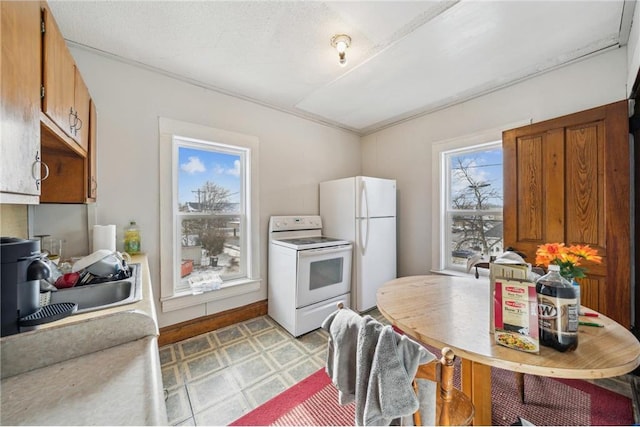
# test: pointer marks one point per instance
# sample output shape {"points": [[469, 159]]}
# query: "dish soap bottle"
{"points": [[557, 311], [132, 239]]}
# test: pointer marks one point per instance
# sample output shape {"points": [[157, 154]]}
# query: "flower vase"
{"points": [[576, 288]]}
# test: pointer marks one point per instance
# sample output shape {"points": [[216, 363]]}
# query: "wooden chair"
{"points": [[453, 407]]}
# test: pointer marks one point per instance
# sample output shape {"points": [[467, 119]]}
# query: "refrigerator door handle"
{"points": [[364, 198]]}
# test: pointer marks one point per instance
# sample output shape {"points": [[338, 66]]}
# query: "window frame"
{"points": [[447, 212], [245, 156], [439, 191], [170, 131]]}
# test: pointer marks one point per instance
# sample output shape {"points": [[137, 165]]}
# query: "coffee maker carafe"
{"points": [[22, 270]]}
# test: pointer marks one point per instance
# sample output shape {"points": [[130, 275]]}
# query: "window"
{"points": [[472, 204], [467, 199], [209, 226], [210, 213]]}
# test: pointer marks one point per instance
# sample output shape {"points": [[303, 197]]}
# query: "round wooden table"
{"points": [[454, 312]]}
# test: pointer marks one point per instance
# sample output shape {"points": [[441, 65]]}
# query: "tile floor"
{"points": [[215, 378]]}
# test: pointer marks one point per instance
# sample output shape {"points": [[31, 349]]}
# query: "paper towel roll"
{"points": [[104, 237]]}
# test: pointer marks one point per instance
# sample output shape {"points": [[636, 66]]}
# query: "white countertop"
{"points": [[115, 386], [95, 368]]}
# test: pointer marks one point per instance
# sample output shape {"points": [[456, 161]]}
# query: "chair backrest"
{"points": [[453, 407]]}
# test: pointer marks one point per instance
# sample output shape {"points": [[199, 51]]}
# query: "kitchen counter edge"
{"points": [[98, 368]]}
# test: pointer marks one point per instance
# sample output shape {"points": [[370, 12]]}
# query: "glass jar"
{"points": [[557, 311]]}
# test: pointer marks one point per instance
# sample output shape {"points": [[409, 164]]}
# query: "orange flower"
{"points": [[568, 258], [549, 252], [586, 252]]}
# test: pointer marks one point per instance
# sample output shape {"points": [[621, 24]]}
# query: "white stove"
{"points": [[308, 273]]}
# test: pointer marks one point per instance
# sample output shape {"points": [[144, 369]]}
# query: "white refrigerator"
{"points": [[363, 210]]}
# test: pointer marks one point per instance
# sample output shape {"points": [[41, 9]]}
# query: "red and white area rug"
{"points": [[314, 401]]}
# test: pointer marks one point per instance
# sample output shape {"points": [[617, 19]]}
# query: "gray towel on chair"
{"points": [[342, 326], [390, 391], [367, 342]]}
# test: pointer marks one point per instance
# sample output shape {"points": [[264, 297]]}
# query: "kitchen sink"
{"points": [[102, 295]]}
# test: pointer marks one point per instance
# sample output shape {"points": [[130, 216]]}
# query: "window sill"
{"points": [[187, 299]]}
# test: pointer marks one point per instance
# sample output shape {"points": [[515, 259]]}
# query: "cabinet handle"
{"points": [[73, 119], [39, 163]]}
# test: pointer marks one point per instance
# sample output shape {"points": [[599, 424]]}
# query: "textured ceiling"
{"points": [[406, 58]]}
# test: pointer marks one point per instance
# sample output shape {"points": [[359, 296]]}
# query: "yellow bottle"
{"points": [[132, 239]]}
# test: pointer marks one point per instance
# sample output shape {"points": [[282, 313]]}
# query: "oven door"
{"points": [[323, 273]]}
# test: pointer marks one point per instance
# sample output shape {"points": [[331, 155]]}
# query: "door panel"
{"points": [[554, 196], [567, 180], [584, 184], [20, 104], [58, 76], [590, 293], [530, 187], [82, 107]]}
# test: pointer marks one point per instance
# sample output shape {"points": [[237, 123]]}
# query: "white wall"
{"points": [[295, 155], [403, 151]]}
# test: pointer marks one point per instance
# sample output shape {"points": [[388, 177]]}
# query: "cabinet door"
{"points": [[92, 153], [567, 180], [81, 130], [20, 110], [58, 77]]}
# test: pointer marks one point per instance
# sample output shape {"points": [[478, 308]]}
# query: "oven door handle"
{"points": [[323, 251]]}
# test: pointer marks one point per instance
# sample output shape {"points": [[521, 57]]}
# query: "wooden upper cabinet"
{"points": [[66, 97], [81, 104], [20, 102], [67, 124], [567, 180], [58, 76]]}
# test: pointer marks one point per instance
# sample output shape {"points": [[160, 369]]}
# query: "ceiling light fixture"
{"points": [[341, 42]]}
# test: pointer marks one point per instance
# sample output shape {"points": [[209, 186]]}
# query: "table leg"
{"points": [[476, 383], [520, 385]]}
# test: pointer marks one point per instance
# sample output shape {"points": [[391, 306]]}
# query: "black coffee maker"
{"points": [[22, 270]]}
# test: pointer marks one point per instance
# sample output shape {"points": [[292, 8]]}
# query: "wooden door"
{"points": [[58, 77], [567, 180], [20, 104]]}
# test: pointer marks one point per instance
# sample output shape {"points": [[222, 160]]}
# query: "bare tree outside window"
{"points": [[211, 233], [210, 217], [475, 204]]}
